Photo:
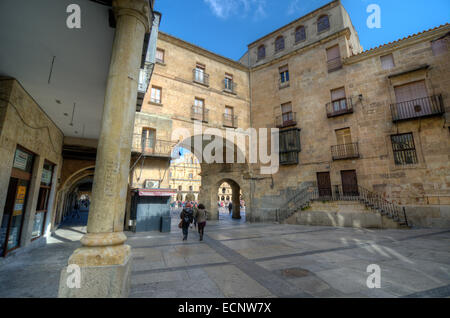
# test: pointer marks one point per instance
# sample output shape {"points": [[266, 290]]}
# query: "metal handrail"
{"points": [[286, 119], [332, 112], [199, 113], [231, 83], [230, 120], [419, 107], [202, 79], [345, 151], [372, 200], [151, 147]]}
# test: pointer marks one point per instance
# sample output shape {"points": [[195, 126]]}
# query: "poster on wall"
{"points": [[20, 160]]}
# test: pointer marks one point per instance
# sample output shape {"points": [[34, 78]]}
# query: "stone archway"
{"points": [[214, 174]]}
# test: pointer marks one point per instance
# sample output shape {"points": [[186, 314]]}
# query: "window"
{"points": [[287, 114], [229, 82], [156, 95], [261, 52], [190, 188], [439, 46], [334, 58], [159, 56], [338, 100], [191, 176], [300, 34], [224, 190], [43, 198], [199, 74], [404, 149], [284, 75], [323, 23], [412, 101], [343, 136], [289, 146], [387, 62], [279, 43], [148, 139], [180, 188]]}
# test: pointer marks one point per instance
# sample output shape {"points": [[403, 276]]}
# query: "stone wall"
{"points": [[24, 123], [371, 90]]}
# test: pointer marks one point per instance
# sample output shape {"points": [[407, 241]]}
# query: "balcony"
{"points": [[286, 120], [230, 121], [151, 147], [229, 86], [339, 107], [200, 77], [334, 64], [418, 108], [199, 113], [144, 79], [345, 151]]}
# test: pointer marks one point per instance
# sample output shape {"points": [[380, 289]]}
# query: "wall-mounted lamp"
{"points": [[360, 97]]}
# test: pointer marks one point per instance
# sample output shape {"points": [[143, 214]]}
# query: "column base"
{"points": [[108, 278]]}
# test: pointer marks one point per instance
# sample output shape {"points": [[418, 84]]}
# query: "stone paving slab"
{"points": [[243, 260]]}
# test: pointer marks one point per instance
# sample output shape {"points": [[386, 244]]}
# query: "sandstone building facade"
{"points": [[348, 118]]}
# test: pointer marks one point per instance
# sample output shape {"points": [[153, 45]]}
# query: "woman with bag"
{"points": [[201, 216]]}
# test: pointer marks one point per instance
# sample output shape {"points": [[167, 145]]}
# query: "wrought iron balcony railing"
{"points": [[199, 113], [418, 108], [286, 120], [230, 120], [334, 64], [200, 77], [151, 147], [339, 107], [229, 86], [345, 151]]}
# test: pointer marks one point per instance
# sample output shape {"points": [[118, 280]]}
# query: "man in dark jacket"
{"points": [[230, 207], [186, 216]]}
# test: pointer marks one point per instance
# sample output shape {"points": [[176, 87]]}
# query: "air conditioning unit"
{"points": [[151, 184]]}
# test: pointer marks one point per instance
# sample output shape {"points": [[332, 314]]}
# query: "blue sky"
{"points": [[226, 27]]}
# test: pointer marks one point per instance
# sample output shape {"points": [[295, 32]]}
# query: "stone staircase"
{"points": [[362, 209]]}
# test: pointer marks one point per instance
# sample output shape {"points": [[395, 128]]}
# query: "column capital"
{"points": [[140, 9]]}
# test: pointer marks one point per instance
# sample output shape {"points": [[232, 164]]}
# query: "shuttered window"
{"points": [[289, 146], [343, 136], [387, 62], [284, 74], [333, 53], [404, 149]]}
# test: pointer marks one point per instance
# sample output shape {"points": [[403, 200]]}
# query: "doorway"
{"points": [[349, 183], [16, 199], [324, 184]]}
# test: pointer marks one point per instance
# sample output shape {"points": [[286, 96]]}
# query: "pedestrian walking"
{"points": [[230, 207], [186, 216], [76, 210], [201, 215]]}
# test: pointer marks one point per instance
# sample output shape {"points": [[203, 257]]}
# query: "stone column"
{"points": [[104, 259]]}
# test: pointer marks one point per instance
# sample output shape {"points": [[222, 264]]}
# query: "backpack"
{"points": [[188, 216]]}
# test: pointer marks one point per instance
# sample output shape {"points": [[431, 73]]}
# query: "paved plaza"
{"points": [[238, 259]]}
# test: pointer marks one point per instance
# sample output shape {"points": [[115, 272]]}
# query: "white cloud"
{"points": [[299, 7], [226, 8]]}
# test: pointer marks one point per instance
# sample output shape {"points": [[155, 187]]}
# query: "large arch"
{"points": [[214, 174]]}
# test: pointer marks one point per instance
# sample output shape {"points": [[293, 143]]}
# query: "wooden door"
{"points": [[324, 184], [349, 183]]}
